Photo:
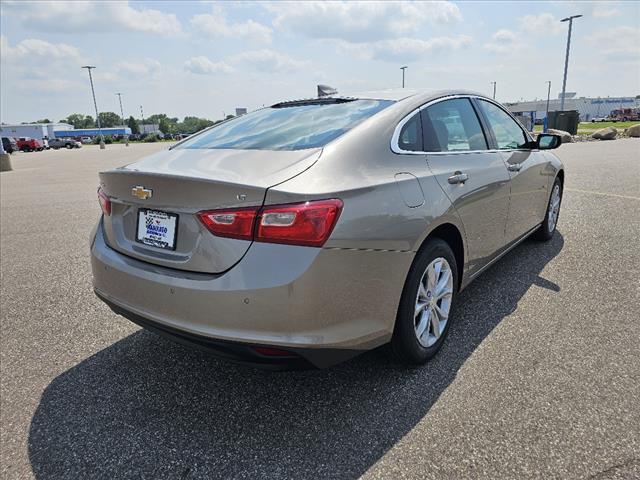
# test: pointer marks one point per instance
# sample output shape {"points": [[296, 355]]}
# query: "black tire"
{"points": [[404, 343], [544, 233]]}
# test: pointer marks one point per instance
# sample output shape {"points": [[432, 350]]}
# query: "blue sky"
{"points": [[205, 58]]}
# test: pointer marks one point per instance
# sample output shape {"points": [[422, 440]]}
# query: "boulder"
{"points": [[634, 130], [608, 133], [566, 136], [5, 162]]}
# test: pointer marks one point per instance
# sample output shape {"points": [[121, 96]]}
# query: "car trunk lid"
{"points": [[167, 189]]}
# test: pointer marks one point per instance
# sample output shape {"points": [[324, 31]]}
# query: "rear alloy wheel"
{"points": [[433, 302], [548, 227], [424, 316]]}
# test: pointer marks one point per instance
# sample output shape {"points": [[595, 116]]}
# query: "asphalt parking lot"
{"points": [[539, 377]]}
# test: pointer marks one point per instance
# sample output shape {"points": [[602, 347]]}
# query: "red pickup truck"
{"points": [[26, 144]]}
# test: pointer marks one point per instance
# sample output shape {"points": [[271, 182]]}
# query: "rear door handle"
{"points": [[458, 177], [514, 167]]}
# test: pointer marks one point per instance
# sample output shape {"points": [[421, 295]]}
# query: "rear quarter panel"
{"points": [[360, 169]]}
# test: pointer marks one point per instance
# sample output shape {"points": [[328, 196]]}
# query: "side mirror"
{"points": [[547, 141]]}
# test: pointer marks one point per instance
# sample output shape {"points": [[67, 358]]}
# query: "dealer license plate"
{"points": [[158, 229]]}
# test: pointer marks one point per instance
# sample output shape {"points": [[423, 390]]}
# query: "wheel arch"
{"points": [[452, 236]]}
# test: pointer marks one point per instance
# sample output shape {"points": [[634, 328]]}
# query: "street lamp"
{"points": [[546, 118], [403, 69], [89, 68], [142, 115], [126, 137], [494, 90], [566, 59]]}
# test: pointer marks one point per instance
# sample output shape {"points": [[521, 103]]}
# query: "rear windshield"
{"points": [[288, 127]]}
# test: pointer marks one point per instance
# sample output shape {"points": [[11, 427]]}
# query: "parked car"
{"points": [[27, 144], [598, 119], [9, 144], [284, 246], [57, 143], [86, 140]]}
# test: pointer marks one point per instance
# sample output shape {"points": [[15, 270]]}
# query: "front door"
{"points": [[474, 178], [527, 169]]}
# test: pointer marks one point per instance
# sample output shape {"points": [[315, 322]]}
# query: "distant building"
{"points": [[240, 111], [587, 108], [39, 131], [150, 128], [91, 132]]}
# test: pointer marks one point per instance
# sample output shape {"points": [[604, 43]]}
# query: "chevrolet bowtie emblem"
{"points": [[142, 193]]}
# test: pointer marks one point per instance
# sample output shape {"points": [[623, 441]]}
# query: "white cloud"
{"points": [[604, 10], [33, 47], [542, 24], [619, 43], [406, 49], [360, 21], [138, 69], [203, 66], [504, 41], [215, 25], [27, 57], [85, 16], [269, 61]]}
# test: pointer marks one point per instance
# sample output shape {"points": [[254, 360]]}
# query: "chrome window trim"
{"points": [[395, 138]]}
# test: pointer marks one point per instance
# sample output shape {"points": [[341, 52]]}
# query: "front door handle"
{"points": [[514, 167], [458, 177]]}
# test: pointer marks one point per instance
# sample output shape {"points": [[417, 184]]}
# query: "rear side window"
{"points": [[294, 126], [452, 126], [410, 137], [507, 132]]}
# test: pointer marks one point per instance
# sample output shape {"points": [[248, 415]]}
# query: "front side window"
{"points": [[452, 126], [507, 132], [288, 126], [410, 137]]}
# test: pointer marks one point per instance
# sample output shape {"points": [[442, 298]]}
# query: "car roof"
{"points": [[393, 94]]}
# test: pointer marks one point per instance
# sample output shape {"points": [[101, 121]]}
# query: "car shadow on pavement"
{"points": [[148, 408]]}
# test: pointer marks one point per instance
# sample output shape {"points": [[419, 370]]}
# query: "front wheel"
{"points": [[548, 227], [424, 314]]}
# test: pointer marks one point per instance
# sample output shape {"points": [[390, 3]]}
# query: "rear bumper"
{"points": [[326, 305]]}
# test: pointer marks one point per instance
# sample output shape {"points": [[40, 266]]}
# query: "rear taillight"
{"points": [[308, 223], [232, 223], [105, 203]]}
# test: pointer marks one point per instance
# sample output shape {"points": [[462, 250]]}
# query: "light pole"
{"points": [[126, 137], [494, 90], [95, 104], [121, 111], [403, 69], [546, 118], [566, 59], [142, 115]]}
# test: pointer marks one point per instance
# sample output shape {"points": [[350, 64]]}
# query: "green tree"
{"points": [[109, 119], [44, 120], [193, 124], [132, 123], [165, 125], [79, 121]]}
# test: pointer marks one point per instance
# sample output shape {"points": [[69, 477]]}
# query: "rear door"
{"points": [[527, 169], [473, 177]]}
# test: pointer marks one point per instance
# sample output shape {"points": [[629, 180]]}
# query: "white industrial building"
{"points": [[587, 108], [33, 130]]}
